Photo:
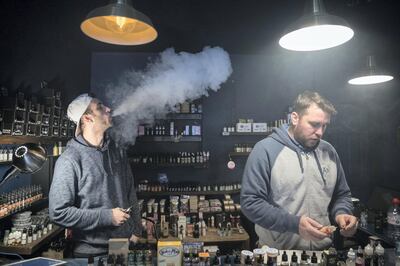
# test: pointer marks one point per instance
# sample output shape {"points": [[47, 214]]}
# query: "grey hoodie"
{"points": [[87, 184], [283, 181]]}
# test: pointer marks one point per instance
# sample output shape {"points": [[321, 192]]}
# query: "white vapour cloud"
{"points": [[170, 79]]}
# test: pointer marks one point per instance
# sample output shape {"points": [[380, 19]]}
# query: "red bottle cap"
{"points": [[396, 201]]}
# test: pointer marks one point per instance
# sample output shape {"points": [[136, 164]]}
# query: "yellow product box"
{"points": [[169, 253]]}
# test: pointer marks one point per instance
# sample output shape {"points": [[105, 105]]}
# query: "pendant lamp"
{"points": [[316, 30], [27, 158], [370, 75], [119, 23]]}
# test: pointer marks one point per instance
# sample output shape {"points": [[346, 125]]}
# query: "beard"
{"points": [[306, 142], [310, 143]]}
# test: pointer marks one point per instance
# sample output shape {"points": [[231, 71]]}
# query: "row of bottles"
{"points": [[248, 126], [389, 220], [27, 235], [189, 107], [199, 157], [243, 147], [58, 148], [6, 153], [145, 186], [195, 254], [19, 199], [193, 129], [393, 219]]}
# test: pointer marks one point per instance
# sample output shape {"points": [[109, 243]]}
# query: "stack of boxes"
{"points": [[21, 116], [13, 114], [53, 107], [33, 118]]}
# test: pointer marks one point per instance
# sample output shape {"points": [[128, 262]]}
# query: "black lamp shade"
{"points": [[316, 30], [27, 158], [119, 23]]}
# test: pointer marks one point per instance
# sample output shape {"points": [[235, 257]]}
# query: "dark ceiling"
{"points": [[42, 40], [240, 26]]}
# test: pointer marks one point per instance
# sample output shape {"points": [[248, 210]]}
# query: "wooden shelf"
{"points": [[36, 203], [169, 193], [238, 154], [168, 165], [169, 139], [227, 134], [181, 116], [8, 139], [31, 248], [211, 237]]}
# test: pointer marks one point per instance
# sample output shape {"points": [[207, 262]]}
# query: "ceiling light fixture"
{"points": [[119, 23], [316, 30], [370, 75]]}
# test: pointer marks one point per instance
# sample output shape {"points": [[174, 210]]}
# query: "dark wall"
{"points": [[262, 87], [41, 40]]}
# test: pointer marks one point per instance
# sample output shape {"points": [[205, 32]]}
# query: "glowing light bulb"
{"points": [[120, 24]]}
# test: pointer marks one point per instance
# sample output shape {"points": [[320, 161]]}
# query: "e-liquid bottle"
{"points": [[294, 261], [285, 260]]}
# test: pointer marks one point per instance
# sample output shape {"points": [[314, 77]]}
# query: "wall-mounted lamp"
{"points": [[27, 158], [119, 23], [316, 30], [370, 75]]}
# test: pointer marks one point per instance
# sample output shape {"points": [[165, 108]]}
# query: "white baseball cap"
{"points": [[77, 108]]}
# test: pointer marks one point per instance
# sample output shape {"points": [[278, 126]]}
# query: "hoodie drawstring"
{"points": [[109, 161], [318, 164], [319, 167], [300, 161]]}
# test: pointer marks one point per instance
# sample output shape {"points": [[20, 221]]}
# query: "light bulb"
{"points": [[120, 24]]}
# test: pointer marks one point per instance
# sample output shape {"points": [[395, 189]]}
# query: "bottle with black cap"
{"points": [[119, 261], [227, 260], [110, 260], [303, 258], [100, 262], [90, 261], [294, 261], [195, 259], [187, 261], [332, 258], [285, 260], [314, 259], [248, 261], [236, 261], [217, 258]]}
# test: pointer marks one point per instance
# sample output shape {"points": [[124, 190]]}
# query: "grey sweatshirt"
{"points": [[87, 184], [283, 181]]}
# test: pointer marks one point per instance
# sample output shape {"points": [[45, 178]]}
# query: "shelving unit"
{"points": [[168, 165], [10, 162], [36, 203], [181, 116], [9, 139], [239, 154], [227, 134], [31, 248], [169, 193], [211, 237], [169, 139]]}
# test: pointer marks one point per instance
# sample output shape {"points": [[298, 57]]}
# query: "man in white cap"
{"points": [[93, 186]]}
